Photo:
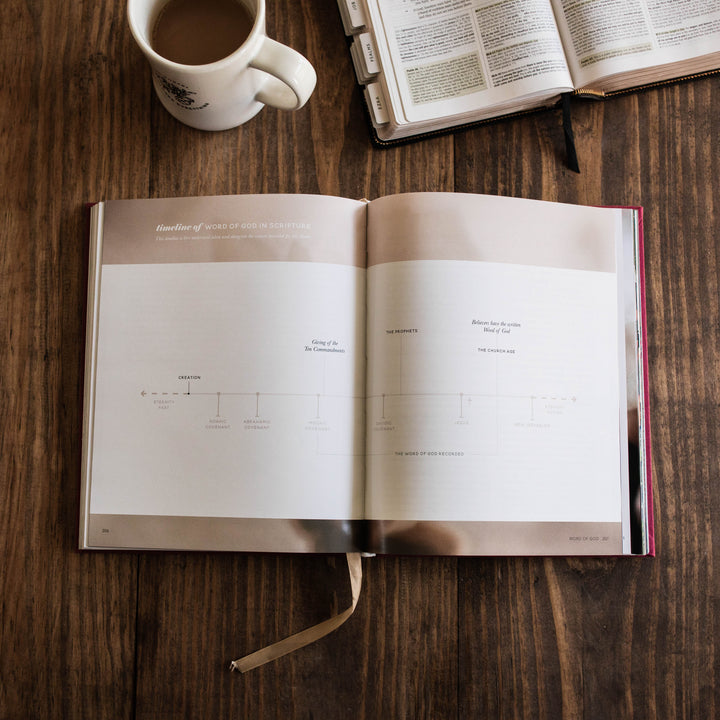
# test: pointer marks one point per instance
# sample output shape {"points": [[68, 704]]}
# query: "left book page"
{"points": [[442, 63], [225, 374]]}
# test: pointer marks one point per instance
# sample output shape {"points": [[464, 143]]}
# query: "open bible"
{"points": [[429, 65], [435, 373]]}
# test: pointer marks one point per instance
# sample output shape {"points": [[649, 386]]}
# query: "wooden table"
{"points": [[141, 635]]}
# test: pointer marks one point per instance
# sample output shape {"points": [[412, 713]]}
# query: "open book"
{"points": [[432, 373], [429, 65]]}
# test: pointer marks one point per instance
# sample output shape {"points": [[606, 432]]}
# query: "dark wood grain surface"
{"points": [[146, 636]]}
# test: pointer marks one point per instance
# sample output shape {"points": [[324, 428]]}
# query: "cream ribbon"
{"points": [[311, 634]]}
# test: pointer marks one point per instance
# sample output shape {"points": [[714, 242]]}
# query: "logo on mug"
{"points": [[180, 94]]}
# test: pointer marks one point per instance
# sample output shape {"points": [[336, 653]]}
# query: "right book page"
{"points": [[616, 44], [497, 410]]}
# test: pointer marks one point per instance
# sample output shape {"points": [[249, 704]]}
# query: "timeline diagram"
{"points": [[463, 387], [538, 407], [411, 400], [475, 423], [330, 419]]}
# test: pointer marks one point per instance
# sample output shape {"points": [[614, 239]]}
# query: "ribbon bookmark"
{"points": [[311, 634], [572, 158]]}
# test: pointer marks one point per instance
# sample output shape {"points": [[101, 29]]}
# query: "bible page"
{"points": [[455, 57], [496, 416], [649, 40], [228, 375]]}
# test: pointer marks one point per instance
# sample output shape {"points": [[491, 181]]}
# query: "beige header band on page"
{"points": [[457, 226], [235, 228]]}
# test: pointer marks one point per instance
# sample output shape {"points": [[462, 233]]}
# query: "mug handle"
{"points": [[293, 77]]}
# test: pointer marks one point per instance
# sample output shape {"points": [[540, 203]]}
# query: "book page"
{"points": [[495, 370], [446, 57], [607, 37], [229, 376]]}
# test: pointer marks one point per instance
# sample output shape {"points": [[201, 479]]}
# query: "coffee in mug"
{"points": [[198, 32], [234, 68]]}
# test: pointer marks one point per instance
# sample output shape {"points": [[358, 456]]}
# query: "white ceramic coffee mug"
{"points": [[226, 93]]}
